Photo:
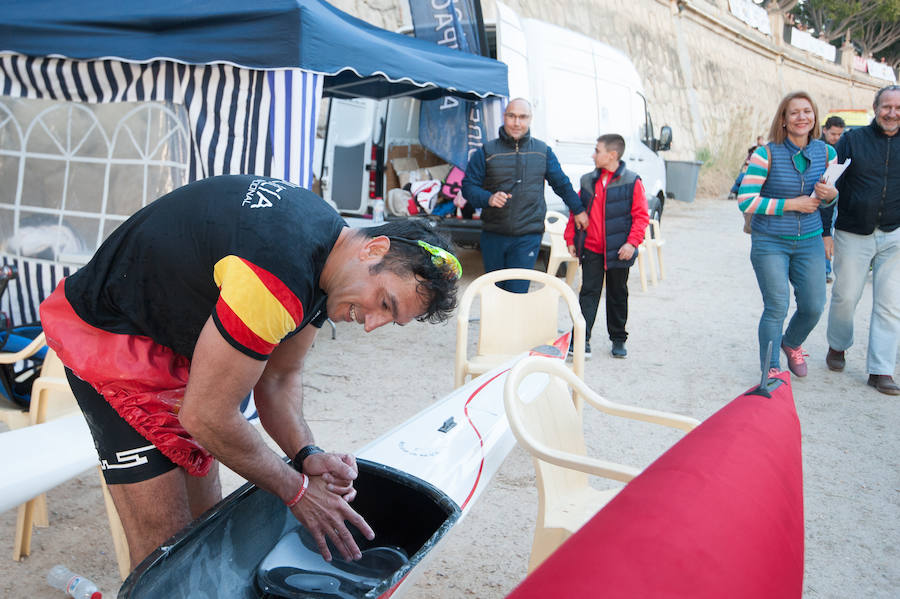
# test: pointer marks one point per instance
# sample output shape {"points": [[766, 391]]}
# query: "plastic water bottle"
{"points": [[72, 584]]}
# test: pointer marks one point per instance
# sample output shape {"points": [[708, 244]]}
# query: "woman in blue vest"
{"points": [[781, 196]]}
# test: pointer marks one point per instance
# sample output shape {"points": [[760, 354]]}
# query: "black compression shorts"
{"points": [[125, 455]]}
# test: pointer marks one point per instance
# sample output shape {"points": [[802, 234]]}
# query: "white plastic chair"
{"points": [[547, 424], [512, 323], [656, 242], [14, 416], [555, 226], [644, 256]]}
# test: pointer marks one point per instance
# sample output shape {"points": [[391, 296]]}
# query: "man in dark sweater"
{"points": [[505, 179], [867, 233], [616, 204]]}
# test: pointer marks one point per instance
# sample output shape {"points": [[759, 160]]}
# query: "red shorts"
{"points": [[142, 380]]}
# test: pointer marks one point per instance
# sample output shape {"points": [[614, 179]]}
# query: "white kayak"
{"points": [[40, 457], [416, 482]]}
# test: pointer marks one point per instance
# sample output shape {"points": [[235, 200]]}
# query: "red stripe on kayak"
{"points": [[563, 340], [480, 440], [393, 589]]}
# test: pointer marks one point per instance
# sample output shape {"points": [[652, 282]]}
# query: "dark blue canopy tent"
{"points": [[356, 58], [241, 81]]}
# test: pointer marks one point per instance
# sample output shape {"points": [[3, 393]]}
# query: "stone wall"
{"points": [[713, 79]]}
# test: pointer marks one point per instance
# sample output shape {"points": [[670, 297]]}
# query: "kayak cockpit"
{"points": [[251, 547]]}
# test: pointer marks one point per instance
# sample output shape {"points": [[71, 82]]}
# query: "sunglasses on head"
{"points": [[440, 257]]}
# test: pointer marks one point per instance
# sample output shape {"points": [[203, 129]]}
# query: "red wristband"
{"points": [[300, 493]]}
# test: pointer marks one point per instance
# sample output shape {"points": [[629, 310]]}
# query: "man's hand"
{"points": [[498, 199], [829, 247], [572, 251], [626, 251], [220, 378], [581, 220], [325, 515], [805, 204], [338, 470]]}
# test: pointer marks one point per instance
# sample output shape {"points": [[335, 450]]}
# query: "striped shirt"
{"points": [[750, 196]]}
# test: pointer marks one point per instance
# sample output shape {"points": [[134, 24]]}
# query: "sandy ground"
{"points": [[692, 347]]}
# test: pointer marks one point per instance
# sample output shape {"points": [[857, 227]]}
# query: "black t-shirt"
{"points": [[246, 250]]}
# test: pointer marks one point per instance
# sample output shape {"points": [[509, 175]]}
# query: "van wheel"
{"points": [[655, 207]]}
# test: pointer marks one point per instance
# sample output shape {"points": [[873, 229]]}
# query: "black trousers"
{"points": [[592, 274]]}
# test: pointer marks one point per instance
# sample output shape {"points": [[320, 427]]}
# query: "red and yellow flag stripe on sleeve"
{"points": [[254, 306]]}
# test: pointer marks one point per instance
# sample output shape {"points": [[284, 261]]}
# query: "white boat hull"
{"points": [[40, 457]]}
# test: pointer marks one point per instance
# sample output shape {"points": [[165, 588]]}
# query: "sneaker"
{"points": [[835, 360], [587, 348], [829, 278], [618, 349], [773, 372], [795, 358]]}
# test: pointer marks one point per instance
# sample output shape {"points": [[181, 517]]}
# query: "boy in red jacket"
{"points": [[614, 198]]}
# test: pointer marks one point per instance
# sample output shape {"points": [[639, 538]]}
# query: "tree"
{"points": [[833, 19], [892, 55], [880, 30], [872, 24]]}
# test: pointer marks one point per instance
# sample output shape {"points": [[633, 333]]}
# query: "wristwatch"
{"points": [[304, 453]]}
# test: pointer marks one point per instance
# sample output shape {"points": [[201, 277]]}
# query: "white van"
{"points": [[579, 88]]}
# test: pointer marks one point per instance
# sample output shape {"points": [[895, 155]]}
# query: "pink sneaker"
{"points": [[774, 372], [795, 358]]}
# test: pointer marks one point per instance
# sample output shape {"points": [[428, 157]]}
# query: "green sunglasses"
{"points": [[439, 256]]}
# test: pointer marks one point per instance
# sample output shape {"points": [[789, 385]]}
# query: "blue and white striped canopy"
{"points": [[356, 58]]}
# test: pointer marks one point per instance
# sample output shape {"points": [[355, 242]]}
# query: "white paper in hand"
{"points": [[833, 173]]}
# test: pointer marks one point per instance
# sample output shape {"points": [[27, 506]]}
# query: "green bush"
{"points": [[704, 155]]}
